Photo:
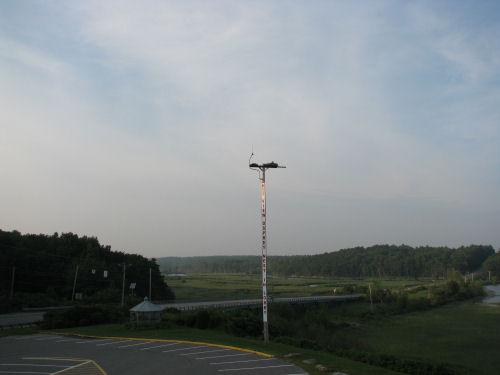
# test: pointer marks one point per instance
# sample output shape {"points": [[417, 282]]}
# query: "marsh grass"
{"points": [[213, 286]]}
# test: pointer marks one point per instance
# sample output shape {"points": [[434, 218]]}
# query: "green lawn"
{"points": [[463, 333]]}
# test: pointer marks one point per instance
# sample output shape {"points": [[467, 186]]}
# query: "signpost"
{"points": [[262, 176]]}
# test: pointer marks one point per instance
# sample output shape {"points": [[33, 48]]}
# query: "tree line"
{"points": [[51, 268], [358, 262]]}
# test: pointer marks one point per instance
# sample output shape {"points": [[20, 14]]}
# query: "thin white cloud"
{"points": [[17, 53], [144, 133]]}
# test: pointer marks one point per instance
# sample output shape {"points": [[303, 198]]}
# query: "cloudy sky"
{"points": [[134, 121]]}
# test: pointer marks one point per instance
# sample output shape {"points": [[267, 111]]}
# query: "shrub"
{"points": [[82, 315], [408, 366]]}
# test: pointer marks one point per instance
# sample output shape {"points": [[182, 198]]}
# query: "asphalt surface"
{"points": [[20, 319], [47, 354]]}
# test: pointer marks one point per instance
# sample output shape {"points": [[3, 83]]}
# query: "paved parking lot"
{"points": [[62, 355]]}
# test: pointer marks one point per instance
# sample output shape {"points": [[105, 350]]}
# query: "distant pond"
{"points": [[493, 292]]}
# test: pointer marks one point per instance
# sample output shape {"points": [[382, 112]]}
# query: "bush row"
{"points": [[82, 315], [239, 322], [407, 366]]}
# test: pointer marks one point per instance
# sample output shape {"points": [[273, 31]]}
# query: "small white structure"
{"points": [[145, 313]]}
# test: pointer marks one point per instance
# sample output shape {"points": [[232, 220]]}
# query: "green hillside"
{"points": [[44, 269], [374, 261]]}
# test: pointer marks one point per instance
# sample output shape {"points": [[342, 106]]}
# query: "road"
{"points": [[49, 354], [21, 319]]}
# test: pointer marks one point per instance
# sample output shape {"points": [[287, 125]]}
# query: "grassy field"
{"points": [[211, 287], [463, 333]]}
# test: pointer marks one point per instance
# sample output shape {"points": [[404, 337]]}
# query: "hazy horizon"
{"points": [[133, 123]]}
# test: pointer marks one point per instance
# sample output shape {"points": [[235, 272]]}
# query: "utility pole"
{"points": [[12, 282], [123, 284], [74, 284], [262, 177], [371, 301]]}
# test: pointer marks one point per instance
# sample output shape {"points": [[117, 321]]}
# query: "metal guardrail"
{"points": [[29, 309], [193, 306]]}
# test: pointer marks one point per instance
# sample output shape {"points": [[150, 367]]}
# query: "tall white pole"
{"points": [[262, 176], [264, 260]]}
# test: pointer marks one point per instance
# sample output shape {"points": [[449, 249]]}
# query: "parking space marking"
{"points": [[246, 360], [72, 367], [170, 340], [176, 350], [207, 351], [223, 356], [223, 359], [160, 346], [84, 367], [90, 341], [56, 359], [141, 343], [25, 372], [252, 368], [113, 342], [28, 365]]}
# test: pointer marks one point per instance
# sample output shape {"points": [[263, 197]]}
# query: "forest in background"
{"points": [[375, 261], [44, 269]]}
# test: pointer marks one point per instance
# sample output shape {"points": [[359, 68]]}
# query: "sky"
{"points": [[133, 122]]}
